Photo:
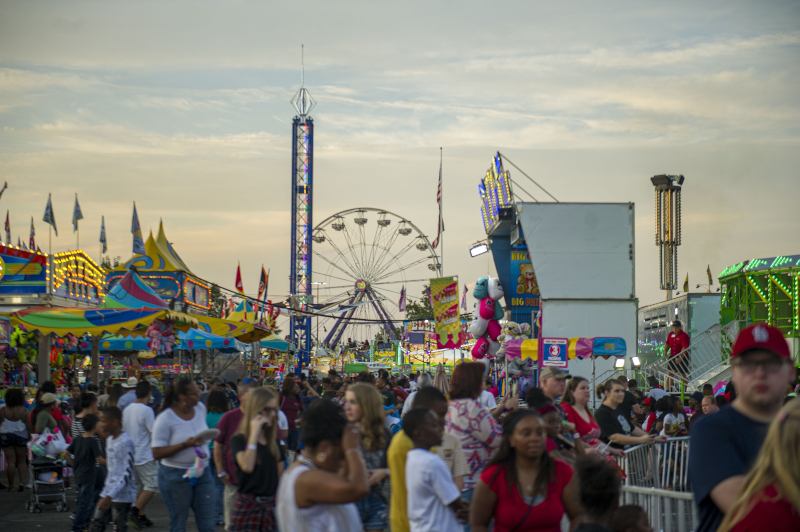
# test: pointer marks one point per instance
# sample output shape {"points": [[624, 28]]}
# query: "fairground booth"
{"points": [[126, 321], [567, 273]]}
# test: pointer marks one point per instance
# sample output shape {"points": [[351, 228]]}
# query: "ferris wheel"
{"points": [[363, 257]]}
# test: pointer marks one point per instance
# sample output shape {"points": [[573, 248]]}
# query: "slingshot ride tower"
{"points": [[668, 228], [302, 222]]}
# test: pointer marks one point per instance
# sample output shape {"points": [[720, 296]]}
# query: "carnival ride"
{"points": [[763, 290], [368, 255], [165, 272]]}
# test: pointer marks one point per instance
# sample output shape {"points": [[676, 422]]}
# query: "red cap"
{"points": [[648, 401], [761, 336]]}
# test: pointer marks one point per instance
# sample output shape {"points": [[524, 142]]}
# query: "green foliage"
{"points": [[216, 303], [107, 263], [420, 309]]}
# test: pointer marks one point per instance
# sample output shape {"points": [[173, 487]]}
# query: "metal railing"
{"points": [[657, 480], [667, 511], [658, 465], [709, 352]]}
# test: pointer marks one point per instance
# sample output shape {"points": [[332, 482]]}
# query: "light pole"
{"points": [[316, 300], [668, 228]]}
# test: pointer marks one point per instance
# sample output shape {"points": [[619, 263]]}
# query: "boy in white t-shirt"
{"points": [[434, 501]]}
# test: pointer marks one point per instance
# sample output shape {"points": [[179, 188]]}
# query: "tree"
{"points": [[421, 309], [216, 303], [106, 263]]}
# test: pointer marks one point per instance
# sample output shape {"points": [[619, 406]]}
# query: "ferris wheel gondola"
{"points": [[363, 257]]}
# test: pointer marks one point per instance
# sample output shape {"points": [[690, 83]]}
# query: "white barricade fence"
{"points": [[668, 511], [658, 465], [657, 480]]}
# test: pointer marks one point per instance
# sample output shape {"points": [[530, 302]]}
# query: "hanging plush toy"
{"points": [[24, 344], [485, 326], [519, 368], [58, 378], [196, 471], [512, 331]]}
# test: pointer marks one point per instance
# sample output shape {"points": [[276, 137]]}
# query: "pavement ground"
{"points": [[15, 518]]}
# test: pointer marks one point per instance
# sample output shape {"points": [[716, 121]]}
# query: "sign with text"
{"points": [[444, 294], [525, 289], [554, 352]]}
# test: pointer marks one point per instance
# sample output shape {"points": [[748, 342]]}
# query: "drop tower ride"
{"points": [[302, 221]]}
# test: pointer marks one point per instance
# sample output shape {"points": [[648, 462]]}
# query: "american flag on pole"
{"points": [[402, 303], [440, 229]]}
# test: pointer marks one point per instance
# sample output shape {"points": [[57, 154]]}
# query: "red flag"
{"points": [[440, 228], [239, 286]]}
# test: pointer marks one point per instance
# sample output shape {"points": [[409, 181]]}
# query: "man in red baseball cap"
{"points": [[725, 445]]}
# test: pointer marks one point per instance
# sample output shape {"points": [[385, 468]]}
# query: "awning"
{"points": [[274, 342], [97, 322], [355, 367], [242, 331], [192, 339], [132, 292], [579, 348]]}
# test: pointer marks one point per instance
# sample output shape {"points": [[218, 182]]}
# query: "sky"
{"points": [[184, 108]]}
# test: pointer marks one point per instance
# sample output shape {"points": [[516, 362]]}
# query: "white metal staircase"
{"points": [[709, 359]]}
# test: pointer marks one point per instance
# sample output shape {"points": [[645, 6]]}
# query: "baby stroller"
{"points": [[47, 481]]}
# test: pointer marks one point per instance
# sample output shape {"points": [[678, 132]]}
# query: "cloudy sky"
{"points": [[184, 108]]}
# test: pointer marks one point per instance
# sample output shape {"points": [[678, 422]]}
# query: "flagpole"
{"points": [[441, 218]]}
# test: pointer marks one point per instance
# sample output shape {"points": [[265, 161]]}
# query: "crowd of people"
{"points": [[381, 452]]}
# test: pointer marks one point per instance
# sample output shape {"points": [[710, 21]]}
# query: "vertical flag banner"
{"points": [[103, 233], [263, 283], [686, 284], [49, 217], [4, 189], [32, 241], [401, 305], [76, 214], [239, 286], [710, 279], [444, 293], [464, 299], [136, 230], [8, 228], [440, 228]]}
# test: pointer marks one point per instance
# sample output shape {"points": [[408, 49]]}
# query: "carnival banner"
{"points": [[444, 295], [525, 293]]}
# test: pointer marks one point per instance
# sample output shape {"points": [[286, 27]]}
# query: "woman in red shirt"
{"points": [[522, 488], [769, 499], [576, 397]]}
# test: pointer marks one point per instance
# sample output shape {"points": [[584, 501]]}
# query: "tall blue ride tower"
{"points": [[302, 222]]}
